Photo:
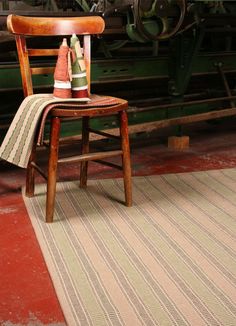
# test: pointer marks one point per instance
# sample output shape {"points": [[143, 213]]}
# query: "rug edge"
{"points": [[55, 282]]}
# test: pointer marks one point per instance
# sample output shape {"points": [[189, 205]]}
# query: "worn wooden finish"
{"points": [[102, 133], [85, 151], [178, 143], [88, 156], [64, 110], [42, 52], [40, 171], [52, 167], [126, 156], [42, 70], [50, 26], [30, 173], [22, 27]]}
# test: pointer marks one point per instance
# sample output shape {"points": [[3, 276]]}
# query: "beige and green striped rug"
{"points": [[168, 260]]}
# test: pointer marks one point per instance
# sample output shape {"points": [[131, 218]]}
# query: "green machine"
{"points": [[174, 60]]}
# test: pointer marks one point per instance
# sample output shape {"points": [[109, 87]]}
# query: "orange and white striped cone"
{"points": [[62, 78]]}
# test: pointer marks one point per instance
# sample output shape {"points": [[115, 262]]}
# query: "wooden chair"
{"points": [[25, 27]]}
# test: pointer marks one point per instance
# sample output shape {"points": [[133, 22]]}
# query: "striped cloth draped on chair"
{"points": [[31, 115]]}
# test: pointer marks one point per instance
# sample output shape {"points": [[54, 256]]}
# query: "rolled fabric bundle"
{"points": [[62, 77], [79, 83]]}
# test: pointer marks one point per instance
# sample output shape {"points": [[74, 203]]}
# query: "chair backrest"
{"points": [[24, 27]]}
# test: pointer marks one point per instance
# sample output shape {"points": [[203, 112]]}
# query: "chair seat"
{"points": [[99, 105]]}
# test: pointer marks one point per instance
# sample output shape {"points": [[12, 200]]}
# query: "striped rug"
{"points": [[168, 260]]}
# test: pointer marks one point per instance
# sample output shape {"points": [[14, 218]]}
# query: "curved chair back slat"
{"points": [[51, 26], [25, 28]]}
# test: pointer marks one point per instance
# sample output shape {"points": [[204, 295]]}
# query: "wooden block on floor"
{"points": [[178, 143]]}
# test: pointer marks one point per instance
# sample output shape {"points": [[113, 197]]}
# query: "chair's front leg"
{"points": [[30, 172], [52, 168], [85, 150], [126, 157]]}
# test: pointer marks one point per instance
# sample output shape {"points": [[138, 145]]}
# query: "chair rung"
{"points": [[90, 156], [102, 133], [42, 70], [40, 171], [112, 165], [46, 144]]}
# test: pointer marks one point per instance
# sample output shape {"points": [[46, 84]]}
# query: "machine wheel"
{"points": [[165, 12]]}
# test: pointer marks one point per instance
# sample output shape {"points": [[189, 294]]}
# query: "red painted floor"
{"points": [[26, 292]]}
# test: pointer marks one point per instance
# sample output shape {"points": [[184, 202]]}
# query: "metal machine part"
{"points": [[167, 57], [143, 20], [163, 16]]}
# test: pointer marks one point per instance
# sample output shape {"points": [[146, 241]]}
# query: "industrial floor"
{"points": [[27, 295]]}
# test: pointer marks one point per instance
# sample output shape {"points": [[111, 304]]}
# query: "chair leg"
{"points": [[52, 168], [30, 173], [126, 157], [85, 150]]}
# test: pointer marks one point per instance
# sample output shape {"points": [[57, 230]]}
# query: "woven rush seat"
{"points": [[57, 110]]}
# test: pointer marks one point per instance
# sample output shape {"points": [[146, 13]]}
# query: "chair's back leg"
{"points": [[85, 150], [126, 157], [30, 172], [52, 168]]}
